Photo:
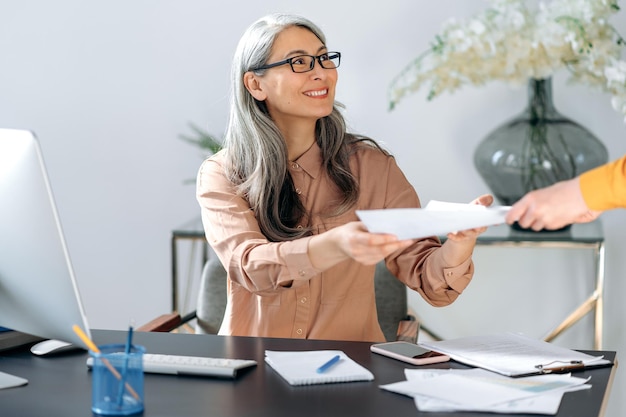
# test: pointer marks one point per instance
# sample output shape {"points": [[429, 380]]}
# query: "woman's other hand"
{"points": [[471, 234]]}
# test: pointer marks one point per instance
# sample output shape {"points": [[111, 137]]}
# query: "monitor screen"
{"points": [[38, 291]]}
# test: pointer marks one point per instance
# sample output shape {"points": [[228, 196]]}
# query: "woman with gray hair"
{"points": [[278, 201]]}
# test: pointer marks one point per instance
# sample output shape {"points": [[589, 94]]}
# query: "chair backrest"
{"points": [[391, 299], [212, 297]]}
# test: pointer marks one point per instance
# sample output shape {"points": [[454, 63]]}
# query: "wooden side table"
{"points": [[578, 236], [190, 231]]}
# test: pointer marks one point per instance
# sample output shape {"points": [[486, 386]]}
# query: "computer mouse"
{"points": [[51, 346]]}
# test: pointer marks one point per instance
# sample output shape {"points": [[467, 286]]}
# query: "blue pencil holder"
{"points": [[117, 380]]}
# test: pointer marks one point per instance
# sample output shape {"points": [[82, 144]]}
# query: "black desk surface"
{"points": [[61, 385]]}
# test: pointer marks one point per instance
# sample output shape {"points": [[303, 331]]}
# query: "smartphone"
{"points": [[409, 352]]}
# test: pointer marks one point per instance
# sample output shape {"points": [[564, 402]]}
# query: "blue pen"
{"points": [[129, 343], [328, 364]]}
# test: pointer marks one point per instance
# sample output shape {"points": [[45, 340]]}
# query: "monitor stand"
{"points": [[11, 381]]}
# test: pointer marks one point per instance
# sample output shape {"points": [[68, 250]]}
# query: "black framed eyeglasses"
{"points": [[306, 63]]}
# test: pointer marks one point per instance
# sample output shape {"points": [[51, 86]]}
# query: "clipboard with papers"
{"points": [[515, 355]]}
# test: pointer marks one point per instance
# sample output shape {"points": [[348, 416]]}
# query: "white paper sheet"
{"points": [[479, 390], [436, 219]]}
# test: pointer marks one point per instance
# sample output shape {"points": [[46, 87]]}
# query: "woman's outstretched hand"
{"points": [[352, 241], [368, 248], [471, 234]]}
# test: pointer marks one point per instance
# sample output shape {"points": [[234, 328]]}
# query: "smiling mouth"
{"points": [[317, 93]]}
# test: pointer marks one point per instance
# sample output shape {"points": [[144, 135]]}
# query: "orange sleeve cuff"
{"points": [[604, 187]]}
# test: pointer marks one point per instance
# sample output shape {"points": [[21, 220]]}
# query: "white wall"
{"points": [[109, 86]]}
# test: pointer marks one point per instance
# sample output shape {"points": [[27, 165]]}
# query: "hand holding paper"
{"points": [[436, 219]]}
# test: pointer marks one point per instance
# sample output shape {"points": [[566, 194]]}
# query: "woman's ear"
{"points": [[251, 81]]}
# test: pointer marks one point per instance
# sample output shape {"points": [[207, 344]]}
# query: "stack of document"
{"points": [[519, 375], [441, 390], [316, 367]]}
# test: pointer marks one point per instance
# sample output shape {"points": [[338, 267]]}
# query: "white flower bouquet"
{"points": [[513, 43]]}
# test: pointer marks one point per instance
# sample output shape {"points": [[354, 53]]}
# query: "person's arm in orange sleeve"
{"points": [[581, 199], [604, 188]]}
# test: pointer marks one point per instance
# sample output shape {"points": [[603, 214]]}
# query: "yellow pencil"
{"points": [[92, 346]]}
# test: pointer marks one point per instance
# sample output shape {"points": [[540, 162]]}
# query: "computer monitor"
{"points": [[38, 291]]}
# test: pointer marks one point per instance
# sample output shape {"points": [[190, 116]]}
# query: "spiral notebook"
{"points": [[301, 367]]}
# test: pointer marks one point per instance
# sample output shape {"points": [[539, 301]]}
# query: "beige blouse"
{"points": [[274, 290]]}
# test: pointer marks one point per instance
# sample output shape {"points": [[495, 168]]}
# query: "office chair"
{"points": [[391, 302], [211, 297], [396, 320]]}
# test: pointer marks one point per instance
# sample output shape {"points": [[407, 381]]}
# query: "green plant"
{"points": [[203, 140]]}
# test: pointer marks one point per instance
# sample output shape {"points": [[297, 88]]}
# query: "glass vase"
{"points": [[536, 149]]}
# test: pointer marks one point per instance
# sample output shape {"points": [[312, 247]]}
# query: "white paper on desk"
{"points": [[438, 218], [510, 354], [480, 390], [300, 367]]}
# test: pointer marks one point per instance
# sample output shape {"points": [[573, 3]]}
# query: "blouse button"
{"points": [[299, 331], [303, 300], [302, 273], [299, 226], [295, 166]]}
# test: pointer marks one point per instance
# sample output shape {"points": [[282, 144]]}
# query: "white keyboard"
{"points": [[191, 365]]}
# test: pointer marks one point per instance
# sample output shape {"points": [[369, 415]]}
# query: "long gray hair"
{"points": [[256, 151]]}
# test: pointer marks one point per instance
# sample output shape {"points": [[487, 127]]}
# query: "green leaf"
{"points": [[202, 139]]}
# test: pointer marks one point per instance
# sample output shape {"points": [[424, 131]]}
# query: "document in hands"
{"points": [[436, 219], [513, 354], [316, 367]]}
